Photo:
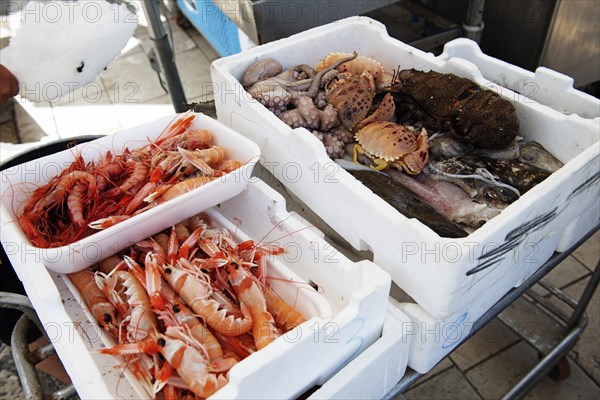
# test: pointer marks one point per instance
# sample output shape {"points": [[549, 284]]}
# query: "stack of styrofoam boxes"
{"points": [[344, 302], [454, 281]]}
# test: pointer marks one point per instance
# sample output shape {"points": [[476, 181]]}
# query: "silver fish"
{"points": [[508, 173], [447, 198], [407, 202], [471, 177], [533, 153]]}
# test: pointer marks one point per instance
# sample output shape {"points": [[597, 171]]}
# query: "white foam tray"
{"points": [[18, 182], [355, 296], [445, 276]]}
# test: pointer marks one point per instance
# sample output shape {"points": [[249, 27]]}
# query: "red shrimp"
{"points": [[75, 199], [264, 330], [183, 187], [135, 180]]}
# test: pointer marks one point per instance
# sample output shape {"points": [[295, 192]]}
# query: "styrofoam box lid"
{"points": [[17, 184]]}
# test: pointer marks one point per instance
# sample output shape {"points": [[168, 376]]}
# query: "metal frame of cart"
{"points": [[554, 355]]}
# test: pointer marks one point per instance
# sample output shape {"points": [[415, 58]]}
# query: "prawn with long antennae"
{"points": [[169, 306], [185, 354], [195, 289], [264, 330]]}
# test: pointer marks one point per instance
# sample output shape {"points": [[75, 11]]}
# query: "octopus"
{"points": [[307, 115], [276, 90]]}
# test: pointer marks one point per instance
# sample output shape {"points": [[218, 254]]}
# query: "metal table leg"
{"points": [[30, 383], [164, 54]]}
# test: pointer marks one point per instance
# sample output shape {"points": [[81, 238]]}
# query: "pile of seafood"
{"points": [[186, 305], [88, 196], [436, 146]]}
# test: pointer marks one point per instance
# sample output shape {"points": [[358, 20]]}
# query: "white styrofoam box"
{"points": [[432, 339], [375, 371], [17, 183], [575, 230], [443, 275], [350, 320], [545, 86], [357, 293]]}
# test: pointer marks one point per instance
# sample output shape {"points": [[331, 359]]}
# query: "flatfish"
{"points": [[408, 203]]}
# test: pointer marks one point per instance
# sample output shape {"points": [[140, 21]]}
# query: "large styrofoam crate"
{"points": [[443, 275], [356, 296], [547, 87], [375, 371], [17, 183]]}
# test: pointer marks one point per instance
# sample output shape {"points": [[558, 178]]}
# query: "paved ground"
{"points": [[128, 93]]}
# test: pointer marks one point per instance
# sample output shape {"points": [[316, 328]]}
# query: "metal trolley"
{"points": [[555, 345]]}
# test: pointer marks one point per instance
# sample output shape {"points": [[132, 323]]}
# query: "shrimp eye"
{"points": [[168, 271], [176, 308], [234, 265], [161, 342], [107, 318]]}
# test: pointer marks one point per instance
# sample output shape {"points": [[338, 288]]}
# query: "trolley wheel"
{"points": [[561, 371]]}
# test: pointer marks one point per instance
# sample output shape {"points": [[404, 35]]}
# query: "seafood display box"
{"points": [[17, 183], [444, 276], [346, 313]]}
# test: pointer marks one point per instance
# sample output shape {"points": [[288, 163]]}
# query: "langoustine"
{"points": [[234, 280]]}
